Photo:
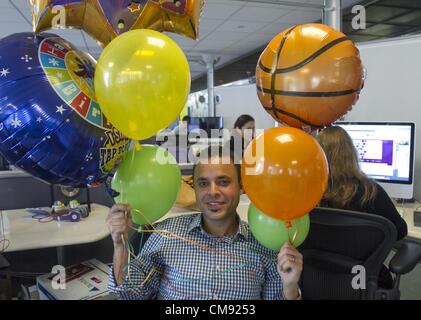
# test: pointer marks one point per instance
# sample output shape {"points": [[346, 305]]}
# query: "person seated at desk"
{"points": [[349, 188], [243, 133], [213, 255], [183, 127]]}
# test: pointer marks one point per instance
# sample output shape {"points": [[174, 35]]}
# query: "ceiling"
{"points": [[236, 30], [229, 29], [384, 19]]}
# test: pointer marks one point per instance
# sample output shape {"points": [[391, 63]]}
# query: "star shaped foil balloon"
{"points": [[105, 19]]}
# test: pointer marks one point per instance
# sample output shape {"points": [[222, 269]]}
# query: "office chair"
{"points": [[5, 279], [340, 240]]}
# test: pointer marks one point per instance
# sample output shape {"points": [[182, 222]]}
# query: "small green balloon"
{"points": [[149, 181], [273, 233]]}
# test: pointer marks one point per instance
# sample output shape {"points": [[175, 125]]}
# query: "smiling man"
{"points": [[207, 255]]}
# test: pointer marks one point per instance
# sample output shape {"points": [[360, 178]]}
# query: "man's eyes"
{"points": [[202, 184], [224, 182]]}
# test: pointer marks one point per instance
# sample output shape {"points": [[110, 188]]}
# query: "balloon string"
{"points": [[288, 225], [169, 234], [137, 146]]}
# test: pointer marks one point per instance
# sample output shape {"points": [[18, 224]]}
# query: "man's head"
{"points": [[217, 184]]}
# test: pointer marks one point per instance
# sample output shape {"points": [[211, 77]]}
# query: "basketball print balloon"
{"points": [[309, 76]]}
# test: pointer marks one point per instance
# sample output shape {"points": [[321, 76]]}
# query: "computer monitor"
{"points": [[386, 151], [206, 124]]}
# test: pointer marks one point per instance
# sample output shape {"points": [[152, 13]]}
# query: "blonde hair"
{"points": [[345, 174]]}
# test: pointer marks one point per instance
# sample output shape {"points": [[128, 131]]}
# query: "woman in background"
{"points": [[242, 135], [349, 188]]}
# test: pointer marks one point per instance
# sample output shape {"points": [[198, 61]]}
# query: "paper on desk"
{"points": [[4, 224]]}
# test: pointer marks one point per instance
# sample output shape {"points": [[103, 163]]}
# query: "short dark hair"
{"points": [[242, 120], [220, 151]]}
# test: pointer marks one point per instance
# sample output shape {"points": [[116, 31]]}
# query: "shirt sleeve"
{"points": [[272, 288], [144, 274]]}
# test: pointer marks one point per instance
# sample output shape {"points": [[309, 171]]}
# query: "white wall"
{"points": [[238, 100], [392, 90]]}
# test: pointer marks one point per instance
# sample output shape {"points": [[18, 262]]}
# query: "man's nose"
{"points": [[214, 189]]}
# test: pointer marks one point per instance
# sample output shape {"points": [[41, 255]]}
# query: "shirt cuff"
{"points": [[299, 297]]}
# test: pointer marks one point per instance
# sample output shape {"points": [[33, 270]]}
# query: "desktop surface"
{"points": [[26, 233]]}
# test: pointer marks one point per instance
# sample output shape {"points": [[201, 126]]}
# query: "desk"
{"points": [[407, 212], [26, 233]]}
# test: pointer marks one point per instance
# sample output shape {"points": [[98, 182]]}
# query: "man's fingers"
{"points": [[286, 261], [286, 266], [295, 255], [290, 250], [120, 208], [115, 224], [119, 229]]}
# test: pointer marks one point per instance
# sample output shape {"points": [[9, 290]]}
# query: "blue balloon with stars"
{"points": [[50, 123]]}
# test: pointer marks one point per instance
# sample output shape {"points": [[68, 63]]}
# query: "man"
{"points": [[209, 255]]}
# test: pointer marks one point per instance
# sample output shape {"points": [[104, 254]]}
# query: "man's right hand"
{"points": [[119, 221]]}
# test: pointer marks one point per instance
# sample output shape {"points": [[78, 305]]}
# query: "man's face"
{"points": [[217, 189]]}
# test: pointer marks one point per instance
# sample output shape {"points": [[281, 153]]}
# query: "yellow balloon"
{"points": [[142, 81]]}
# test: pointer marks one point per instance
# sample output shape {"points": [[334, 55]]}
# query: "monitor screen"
{"points": [[385, 149]]}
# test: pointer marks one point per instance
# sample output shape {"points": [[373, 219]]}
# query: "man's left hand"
{"points": [[290, 265]]}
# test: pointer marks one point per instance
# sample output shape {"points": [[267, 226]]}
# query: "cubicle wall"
{"points": [[238, 100], [19, 190], [392, 88]]}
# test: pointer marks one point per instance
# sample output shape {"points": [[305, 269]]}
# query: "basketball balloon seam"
{"points": [[308, 94], [291, 115], [307, 60], [273, 71]]}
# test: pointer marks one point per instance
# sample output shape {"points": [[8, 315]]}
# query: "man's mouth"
{"points": [[215, 205]]}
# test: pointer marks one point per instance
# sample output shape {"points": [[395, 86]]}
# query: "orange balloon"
{"points": [[309, 76], [284, 172]]}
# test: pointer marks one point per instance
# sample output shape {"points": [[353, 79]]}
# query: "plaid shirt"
{"points": [[226, 268]]}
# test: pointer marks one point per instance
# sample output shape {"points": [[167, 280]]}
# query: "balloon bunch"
{"points": [[307, 77], [68, 120]]}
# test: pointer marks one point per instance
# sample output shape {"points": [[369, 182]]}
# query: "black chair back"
{"points": [[339, 242]]}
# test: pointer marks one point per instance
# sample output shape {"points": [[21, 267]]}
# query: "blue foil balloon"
{"points": [[50, 124]]}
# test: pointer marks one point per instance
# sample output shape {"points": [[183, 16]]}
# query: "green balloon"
{"points": [[273, 233], [149, 181]]}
